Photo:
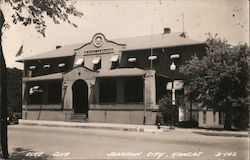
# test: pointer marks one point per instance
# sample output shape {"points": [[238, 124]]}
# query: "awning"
{"points": [[122, 72], [79, 61], [114, 58], [132, 59], [46, 66], [151, 58], [55, 76], [61, 65], [96, 60], [32, 67]]}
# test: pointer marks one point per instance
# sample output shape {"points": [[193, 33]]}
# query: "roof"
{"points": [[156, 41], [64, 51], [133, 43], [121, 72], [54, 76]]}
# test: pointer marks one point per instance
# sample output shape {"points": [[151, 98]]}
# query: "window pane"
{"points": [[107, 91], [133, 89]]}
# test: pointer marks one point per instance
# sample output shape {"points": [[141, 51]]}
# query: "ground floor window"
{"points": [[54, 92], [45, 92], [34, 97], [107, 90], [120, 90], [133, 89]]}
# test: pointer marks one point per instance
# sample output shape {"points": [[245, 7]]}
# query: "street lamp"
{"points": [[173, 68]]}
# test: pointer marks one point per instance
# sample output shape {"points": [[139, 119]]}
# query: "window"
{"points": [[79, 61], [97, 63], [32, 67], [152, 58], [133, 61], [107, 91], [115, 63], [46, 66], [54, 92], [61, 65], [114, 58], [35, 97], [133, 89], [153, 61]]}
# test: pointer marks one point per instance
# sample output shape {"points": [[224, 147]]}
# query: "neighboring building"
{"points": [[115, 81]]}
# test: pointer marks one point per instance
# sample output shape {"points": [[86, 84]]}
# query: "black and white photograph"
{"points": [[124, 79]]}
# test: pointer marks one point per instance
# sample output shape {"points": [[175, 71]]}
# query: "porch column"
{"points": [[150, 89]]}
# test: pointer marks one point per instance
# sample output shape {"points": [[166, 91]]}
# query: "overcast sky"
{"points": [[128, 18]]}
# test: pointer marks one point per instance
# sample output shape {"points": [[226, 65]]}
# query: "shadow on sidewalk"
{"points": [[28, 154]]}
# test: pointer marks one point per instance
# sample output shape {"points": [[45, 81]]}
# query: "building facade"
{"points": [[114, 81]]}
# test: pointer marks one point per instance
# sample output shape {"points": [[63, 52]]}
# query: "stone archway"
{"points": [[80, 97]]}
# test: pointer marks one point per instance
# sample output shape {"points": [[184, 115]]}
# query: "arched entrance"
{"points": [[80, 97]]}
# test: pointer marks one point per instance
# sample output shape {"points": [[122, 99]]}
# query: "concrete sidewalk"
{"points": [[131, 127]]}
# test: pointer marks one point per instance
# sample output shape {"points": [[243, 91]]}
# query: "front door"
{"points": [[80, 97]]}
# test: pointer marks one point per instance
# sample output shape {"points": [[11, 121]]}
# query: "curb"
{"points": [[245, 135], [146, 129], [129, 128]]}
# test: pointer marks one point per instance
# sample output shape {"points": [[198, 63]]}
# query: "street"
{"points": [[33, 142]]}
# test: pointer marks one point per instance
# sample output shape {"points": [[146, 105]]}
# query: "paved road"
{"points": [[32, 142]]}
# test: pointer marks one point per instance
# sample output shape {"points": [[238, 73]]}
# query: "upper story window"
{"points": [[152, 58], [97, 63], [115, 63], [61, 65], [32, 67], [133, 61], [46, 66], [79, 61], [153, 61]]}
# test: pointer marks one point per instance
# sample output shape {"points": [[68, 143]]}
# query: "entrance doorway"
{"points": [[80, 97]]}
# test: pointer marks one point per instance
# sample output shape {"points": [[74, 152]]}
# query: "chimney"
{"points": [[57, 47], [167, 30]]}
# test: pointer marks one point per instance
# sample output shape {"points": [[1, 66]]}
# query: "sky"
{"points": [[229, 19]]}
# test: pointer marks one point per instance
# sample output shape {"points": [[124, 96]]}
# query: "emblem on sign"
{"points": [[98, 40]]}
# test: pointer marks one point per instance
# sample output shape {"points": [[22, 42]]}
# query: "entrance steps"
{"points": [[78, 117]]}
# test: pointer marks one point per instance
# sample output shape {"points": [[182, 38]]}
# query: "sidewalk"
{"points": [[131, 127]]}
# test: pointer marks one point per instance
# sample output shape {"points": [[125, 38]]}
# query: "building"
{"points": [[115, 81]]}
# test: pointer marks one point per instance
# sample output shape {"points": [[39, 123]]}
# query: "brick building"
{"points": [[115, 81]]}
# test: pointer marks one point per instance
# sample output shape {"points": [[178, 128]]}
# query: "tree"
{"points": [[219, 79], [14, 90], [165, 110], [29, 12]]}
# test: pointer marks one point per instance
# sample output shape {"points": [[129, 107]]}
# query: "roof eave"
{"points": [[137, 49]]}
